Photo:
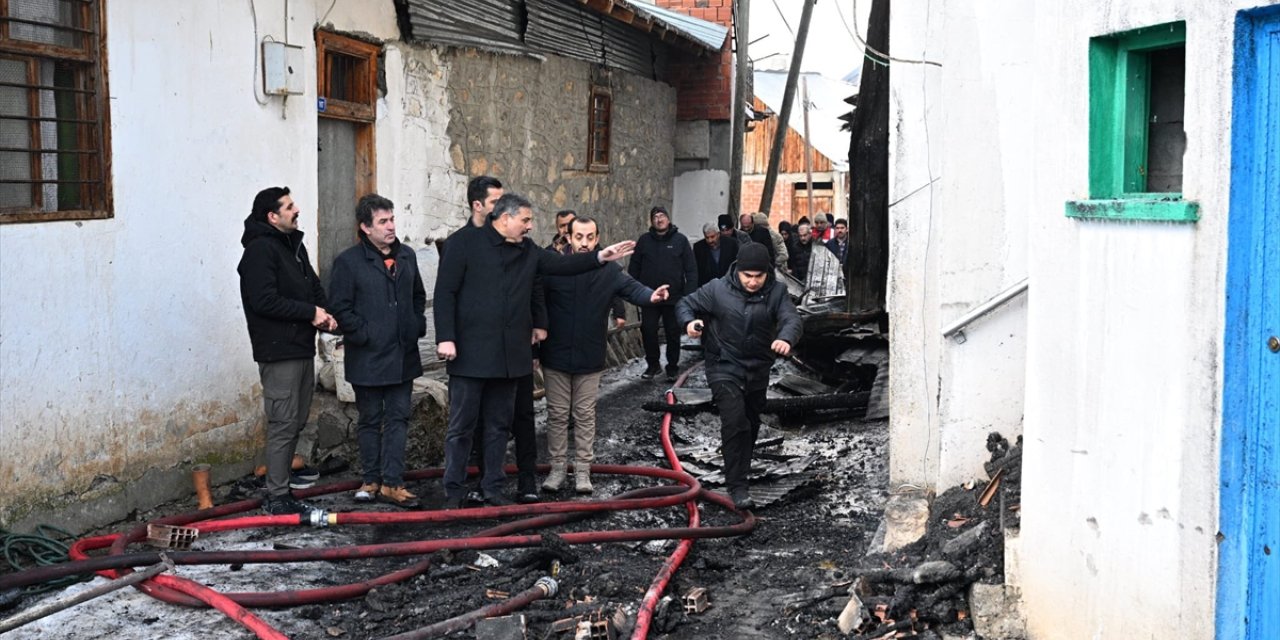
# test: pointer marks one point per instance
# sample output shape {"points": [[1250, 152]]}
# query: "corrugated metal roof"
{"points": [[708, 34], [826, 105], [455, 23], [566, 28]]}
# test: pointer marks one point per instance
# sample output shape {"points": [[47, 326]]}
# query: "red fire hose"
{"points": [[177, 590]]}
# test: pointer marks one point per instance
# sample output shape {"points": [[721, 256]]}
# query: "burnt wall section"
{"points": [[525, 121]]}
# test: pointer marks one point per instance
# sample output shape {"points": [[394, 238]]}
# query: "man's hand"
{"points": [[617, 251], [322, 319], [694, 329], [539, 335], [659, 294], [619, 322], [332, 326], [446, 351], [781, 348]]}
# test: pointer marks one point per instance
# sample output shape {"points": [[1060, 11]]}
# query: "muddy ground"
{"points": [[812, 537]]}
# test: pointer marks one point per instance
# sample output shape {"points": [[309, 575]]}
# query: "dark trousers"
{"points": [[525, 435], [649, 334], [381, 431], [469, 399], [287, 387], [739, 427]]}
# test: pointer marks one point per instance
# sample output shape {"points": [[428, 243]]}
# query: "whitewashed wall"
{"points": [[1123, 326], [122, 341]]}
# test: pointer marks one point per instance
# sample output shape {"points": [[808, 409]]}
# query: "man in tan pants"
{"points": [[573, 354]]}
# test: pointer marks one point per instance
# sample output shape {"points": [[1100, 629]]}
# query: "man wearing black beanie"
{"points": [[746, 318], [663, 257]]}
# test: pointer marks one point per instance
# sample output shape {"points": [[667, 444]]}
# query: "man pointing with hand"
{"points": [[747, 318]]}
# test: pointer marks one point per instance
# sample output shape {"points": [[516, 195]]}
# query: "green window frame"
{"points": [[1119, 115]]}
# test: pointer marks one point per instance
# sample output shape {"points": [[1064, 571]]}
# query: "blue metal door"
{"points": [[1249, 553]]}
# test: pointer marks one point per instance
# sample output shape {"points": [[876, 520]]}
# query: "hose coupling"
{"points": [[318, 518], [548, 585]]}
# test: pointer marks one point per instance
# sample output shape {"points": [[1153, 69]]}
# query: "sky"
{"points": [[830, 49]]}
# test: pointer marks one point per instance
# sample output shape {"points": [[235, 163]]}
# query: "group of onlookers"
{"points": [[503, 306]]}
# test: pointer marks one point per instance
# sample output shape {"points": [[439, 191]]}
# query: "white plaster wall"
{"points": [[122, 341], [1123, 321], [698, 198], [415, 169]]}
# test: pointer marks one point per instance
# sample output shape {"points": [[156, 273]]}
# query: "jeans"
{"points": [[287, 387], [649, 334], [381, 431], [469, 399], [739, 428]]}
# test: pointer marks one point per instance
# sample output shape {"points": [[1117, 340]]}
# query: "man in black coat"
{"points": [[713, 254], [839, 243], [483, 298], [380, 303], [663, 256], [573, 354], [802, 250], [748, 319], [284, 304]]}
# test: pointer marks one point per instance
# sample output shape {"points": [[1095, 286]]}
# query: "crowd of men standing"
{"points": [[503, 307]]}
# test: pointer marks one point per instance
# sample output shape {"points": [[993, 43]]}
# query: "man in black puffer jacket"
{"points": [[380, 303], [748, 319], [283, 306], [663, 257]]}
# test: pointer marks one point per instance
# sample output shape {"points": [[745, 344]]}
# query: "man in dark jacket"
{"points": [[284, 304], [839, 244], [560, 242], [663, 256], [713, 254], [380, 303], [483, 299], [798, 260], [748, 319], [574, 353]]}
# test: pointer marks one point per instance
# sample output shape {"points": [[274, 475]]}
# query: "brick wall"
{"points": [[704, 84], [753, 188]]}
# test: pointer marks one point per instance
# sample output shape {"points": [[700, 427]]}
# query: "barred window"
{"points": [[598, 130], [54, 147]]}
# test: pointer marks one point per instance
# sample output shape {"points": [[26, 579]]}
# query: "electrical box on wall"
{"points": [[282, 69]]}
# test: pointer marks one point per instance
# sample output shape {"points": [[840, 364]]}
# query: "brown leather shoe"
{"points": [[399, 496]]}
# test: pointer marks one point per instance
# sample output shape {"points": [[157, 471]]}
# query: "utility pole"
{"points": [[788, 96], [808, 150], [737, 118]]}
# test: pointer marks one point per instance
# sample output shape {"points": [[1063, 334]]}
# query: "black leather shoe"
{"points": [[527, 498], [742, 499], [650, 373], [498, 500], [453, 502]]}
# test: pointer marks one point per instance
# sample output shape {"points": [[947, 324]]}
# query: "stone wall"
{"points": [[525, 121]]}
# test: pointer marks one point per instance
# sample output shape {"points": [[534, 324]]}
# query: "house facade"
{"points": [[123, 351], [1122, 158]]}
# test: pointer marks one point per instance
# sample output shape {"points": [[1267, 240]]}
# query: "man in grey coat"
{"points": [[748, 318], [380, 303]]}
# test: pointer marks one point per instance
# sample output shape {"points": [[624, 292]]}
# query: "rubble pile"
{"points": [[929, 589]]}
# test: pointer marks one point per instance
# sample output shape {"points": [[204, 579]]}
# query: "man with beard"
{"points": [[483, 301], [573, 355], [746, 319], [713, 254], [560, 242], [284, 304], [380, 303], [663, 257], [839, 245]]}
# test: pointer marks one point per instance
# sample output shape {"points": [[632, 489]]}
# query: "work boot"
{"points": [[652, 371], [399, 496], [582, 479], [368, 492], [742, 498], [556, 478]]}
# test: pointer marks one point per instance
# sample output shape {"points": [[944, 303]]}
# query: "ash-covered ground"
{"points": [[810, 538]]}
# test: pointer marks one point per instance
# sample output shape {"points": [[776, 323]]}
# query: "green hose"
{"points": [[42, 548]]}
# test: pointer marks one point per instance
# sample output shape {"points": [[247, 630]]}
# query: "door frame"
{"points": [[1248, 581]]}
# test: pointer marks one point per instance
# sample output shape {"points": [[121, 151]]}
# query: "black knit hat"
{"points": [[724, 221], [753, 257]]}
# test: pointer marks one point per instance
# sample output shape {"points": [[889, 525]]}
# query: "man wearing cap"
{"points": [[728, 230], [663, 257], [713, 254], [746, 318]]}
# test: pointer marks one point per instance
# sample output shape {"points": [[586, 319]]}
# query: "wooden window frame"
{"points": [[92, 153], [363, 112], [1119, 109], [594, 126]]}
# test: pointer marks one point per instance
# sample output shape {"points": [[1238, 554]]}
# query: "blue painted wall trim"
{"points": [[1248, 598]]}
